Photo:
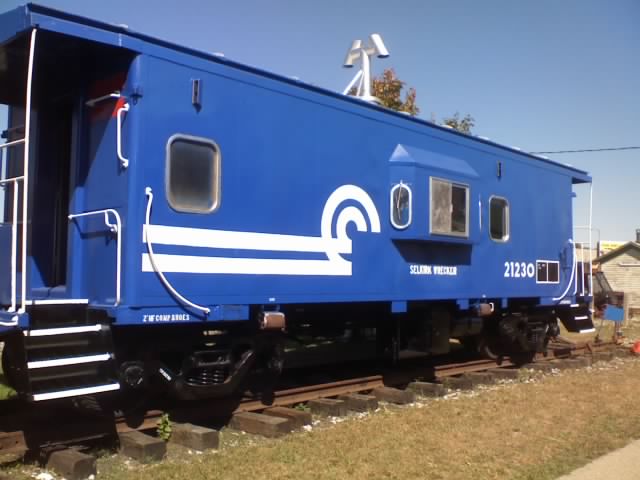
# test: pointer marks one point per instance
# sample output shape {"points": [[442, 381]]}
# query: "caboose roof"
{"points": [[15, 22]]}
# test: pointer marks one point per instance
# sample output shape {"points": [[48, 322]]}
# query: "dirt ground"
{"points": [[538, 428]]}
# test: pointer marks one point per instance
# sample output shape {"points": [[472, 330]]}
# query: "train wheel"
{"points": [[487, 347]]}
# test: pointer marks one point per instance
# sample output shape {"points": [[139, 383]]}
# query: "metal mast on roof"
{"points": [[363, 77]]}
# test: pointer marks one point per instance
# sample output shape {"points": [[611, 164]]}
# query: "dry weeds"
{"points": [[538, 429], [541, 428]]}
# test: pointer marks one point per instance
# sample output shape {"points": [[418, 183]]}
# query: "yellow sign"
{"points": [[606, 246]]}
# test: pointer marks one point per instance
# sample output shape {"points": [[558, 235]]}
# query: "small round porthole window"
{"points": [[401, 206]]}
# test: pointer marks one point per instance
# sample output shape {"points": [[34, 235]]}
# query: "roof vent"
{"points": [[637, 235]]}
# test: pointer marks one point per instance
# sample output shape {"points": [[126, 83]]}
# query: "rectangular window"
{"points": [[499, 219], [547, 271], [449, 213], [193, 174]]}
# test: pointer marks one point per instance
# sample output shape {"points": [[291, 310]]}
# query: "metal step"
{"points": [[577, 318], [75, 392], [69, 361], [65, 361], [45, 332]]}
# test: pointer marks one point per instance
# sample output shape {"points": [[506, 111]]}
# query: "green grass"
{"points": [[528, 431], [536, 430]]}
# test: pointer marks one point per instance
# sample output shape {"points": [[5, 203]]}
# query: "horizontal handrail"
{"points": [[4, 181], [92, 102], [13, 143], [114, 228]]}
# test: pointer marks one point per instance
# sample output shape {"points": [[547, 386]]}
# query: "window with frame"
{"points": [[499, 219], [401, 206], [192, 174], [449, 210]]}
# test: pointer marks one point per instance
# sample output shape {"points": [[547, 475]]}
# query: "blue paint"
{"points": [[286, 148], [613, 313]]}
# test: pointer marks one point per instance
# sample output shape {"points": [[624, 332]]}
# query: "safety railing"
{"points": [[24, 179], [14, 237], [114, 228], [584, 255]]}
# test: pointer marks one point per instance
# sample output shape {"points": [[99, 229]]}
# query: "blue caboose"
{"points": [[169, 216]]}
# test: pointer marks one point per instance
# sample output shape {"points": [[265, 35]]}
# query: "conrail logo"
{"points": [[347, 205]]}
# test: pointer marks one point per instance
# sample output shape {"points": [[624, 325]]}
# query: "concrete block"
{"points": [[328, 407], [393, 395], [427, 389], [480, 378], [72, 464], [457, 383], [298, 417], [504, 373], [194, 436], [141, 447], [259, 424], [359, 403]]}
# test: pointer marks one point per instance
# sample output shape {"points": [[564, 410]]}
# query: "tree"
{"points": [[463, 125], [388, 89]]}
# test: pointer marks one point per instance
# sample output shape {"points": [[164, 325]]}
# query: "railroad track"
{"points": [[27, 429]]}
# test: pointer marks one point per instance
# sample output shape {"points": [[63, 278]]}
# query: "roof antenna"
{"points": [[363, 76]]}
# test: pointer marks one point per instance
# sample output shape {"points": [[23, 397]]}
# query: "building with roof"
{"points": [[622, 269]]}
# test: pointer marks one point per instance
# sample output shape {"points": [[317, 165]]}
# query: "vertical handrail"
{"points": [[582, 272], [14, 241], [572, 279], [117, 229], [25, 186], [14, 247], [124, 162], [590, 239], [588, 284]]}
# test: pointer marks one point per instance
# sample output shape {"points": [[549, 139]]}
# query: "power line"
{"points": [[590, 150]]}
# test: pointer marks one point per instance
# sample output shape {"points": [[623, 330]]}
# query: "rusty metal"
{"points": [[272, 321], [40, 429]]}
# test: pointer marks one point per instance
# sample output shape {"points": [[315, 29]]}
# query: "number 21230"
{"points": [[519, 270]]}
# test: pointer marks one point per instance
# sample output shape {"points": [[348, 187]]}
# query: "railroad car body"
{"points": [[169, 213]]}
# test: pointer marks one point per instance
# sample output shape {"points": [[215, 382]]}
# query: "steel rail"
{"points": [[18, 442]]}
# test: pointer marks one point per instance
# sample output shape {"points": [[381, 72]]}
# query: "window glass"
{"points": [[553, 269], [449, 208], [541, 276], [193, 174], [401, 206], [499, 219]]}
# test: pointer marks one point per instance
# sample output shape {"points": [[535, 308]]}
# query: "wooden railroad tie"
{"points": [[259, 424], [141, 447], [72, 464], [194, 437]]}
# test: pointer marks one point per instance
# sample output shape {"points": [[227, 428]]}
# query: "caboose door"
{"points": [[100, 185], [78, 183]]}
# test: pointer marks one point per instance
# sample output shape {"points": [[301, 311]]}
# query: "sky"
{"points": [[542, 75]]}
